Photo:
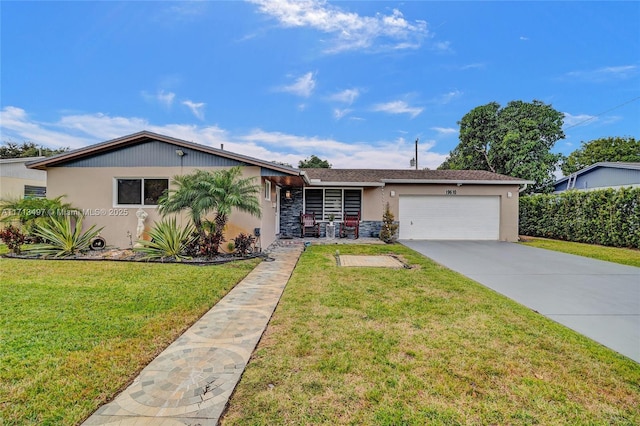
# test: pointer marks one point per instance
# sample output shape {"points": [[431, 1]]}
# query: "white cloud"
{"points": [[163, 98], [442, 46], [347, 96], [15, 123], [294, 142], [475, 65], [197, 108], [523, 38], [398, 107], [350, 30], [303, 86], [445, 130], [450, 96], [571, 120], [339, 113], [80, 130], [605, 73]]}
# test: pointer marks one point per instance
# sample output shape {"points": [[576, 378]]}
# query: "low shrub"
{"points": [[13, 238], [243, 243]]}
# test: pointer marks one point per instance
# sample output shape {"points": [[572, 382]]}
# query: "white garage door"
{"points": [[432, 217]]}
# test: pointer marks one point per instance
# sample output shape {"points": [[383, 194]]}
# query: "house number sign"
{"points": [[450, 192]]}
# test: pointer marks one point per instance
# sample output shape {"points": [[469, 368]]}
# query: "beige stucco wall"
{"points": [[374, 201], [92, 190], [13, 187]]}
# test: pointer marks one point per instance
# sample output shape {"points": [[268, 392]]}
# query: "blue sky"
{"points": [[352, 82]]}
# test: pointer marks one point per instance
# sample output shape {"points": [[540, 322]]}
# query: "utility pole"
{"points": [[416, 153]]}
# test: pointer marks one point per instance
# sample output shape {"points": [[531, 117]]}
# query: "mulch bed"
{"points": [[128, 255]]}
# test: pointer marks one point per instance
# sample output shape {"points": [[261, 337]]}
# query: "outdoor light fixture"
{"points": [[287, 194], [179, 152]]}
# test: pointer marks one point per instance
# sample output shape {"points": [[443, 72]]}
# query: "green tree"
{"points": [[515, 140], [604, 149], [314, 162], [27, 149], [203, 192]]}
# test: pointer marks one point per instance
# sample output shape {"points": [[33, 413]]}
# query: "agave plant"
{"points": [[61, 237], [167, 240]]}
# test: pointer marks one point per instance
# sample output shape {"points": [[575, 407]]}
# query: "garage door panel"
{"points": [[449, 217]]}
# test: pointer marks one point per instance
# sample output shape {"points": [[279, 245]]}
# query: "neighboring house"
{"points": [[601, 175], [17, 181], [111, 180]]}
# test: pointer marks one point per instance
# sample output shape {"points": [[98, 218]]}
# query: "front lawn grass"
{"points": [[74, 333], [422, 346], [624, 256]]}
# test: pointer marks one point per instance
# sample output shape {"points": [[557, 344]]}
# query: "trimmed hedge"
{"points": [[607, 217]]}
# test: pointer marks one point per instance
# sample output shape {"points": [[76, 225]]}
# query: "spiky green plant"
{"points": [[167, 240], [62, 237]]}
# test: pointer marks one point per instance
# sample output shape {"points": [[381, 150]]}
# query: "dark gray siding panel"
{"points": [[605, 177], [154, 154], [268, 172]]}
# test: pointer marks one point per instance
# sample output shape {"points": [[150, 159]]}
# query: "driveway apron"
{"points": [[598, 299], [190, 382]]}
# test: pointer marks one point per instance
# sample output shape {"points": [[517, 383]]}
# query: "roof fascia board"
{"points": [[461, 182], [20, 160], [305, 177], [612, 165], [314, 182]]}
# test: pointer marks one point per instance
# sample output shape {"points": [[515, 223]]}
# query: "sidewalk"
{"points": [[190, 382]]}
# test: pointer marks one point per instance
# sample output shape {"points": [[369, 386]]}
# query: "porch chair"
{"points": [[308, 221], [351, 222]]}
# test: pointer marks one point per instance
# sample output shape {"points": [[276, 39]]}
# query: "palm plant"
{"points": [[61, 237], [167, 240], [232, 192], [29, 212], [187, 195], [204, 192]]}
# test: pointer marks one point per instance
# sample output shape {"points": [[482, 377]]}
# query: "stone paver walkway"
{"points": [[190, 382]]}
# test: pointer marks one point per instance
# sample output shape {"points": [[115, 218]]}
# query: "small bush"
{"points": [[207, 245], [389, 227], [13, 238], [243, 243]]}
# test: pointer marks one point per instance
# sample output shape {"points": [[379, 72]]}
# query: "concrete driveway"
{"points": [[599, 299]]}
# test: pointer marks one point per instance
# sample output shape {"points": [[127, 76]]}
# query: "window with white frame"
{"points": [[332, 201], [267, 190], [139, 191]]}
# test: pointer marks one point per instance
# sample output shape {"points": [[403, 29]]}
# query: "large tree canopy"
{"points": [[515, 140], [27, 149], [604, 149], [314, 162]]}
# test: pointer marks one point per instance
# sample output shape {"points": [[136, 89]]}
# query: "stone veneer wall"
{"points": [[290, 212], [290, 218]]}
